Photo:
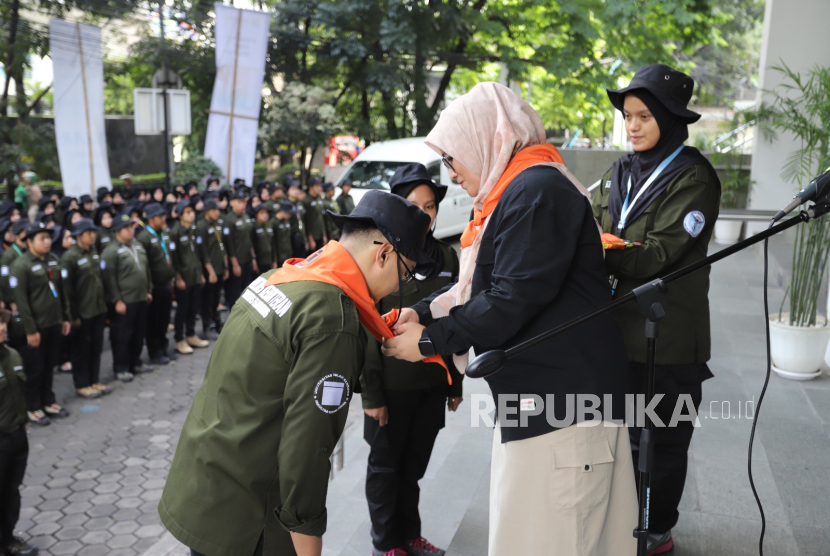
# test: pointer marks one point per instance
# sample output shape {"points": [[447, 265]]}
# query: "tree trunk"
{"points": [[5, 125], [389, 115]]}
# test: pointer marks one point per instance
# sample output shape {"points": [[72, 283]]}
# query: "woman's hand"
{"points": [[407, 315], [405, 344]]}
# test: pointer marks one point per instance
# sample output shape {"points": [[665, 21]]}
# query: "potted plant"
{"points": [[733, 189], [801, 106]]}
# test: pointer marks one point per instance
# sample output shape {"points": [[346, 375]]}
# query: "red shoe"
{"points": [[393, 552], [659, 544], [422, 547]]}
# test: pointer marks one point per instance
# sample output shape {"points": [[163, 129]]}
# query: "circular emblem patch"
{"points": [[331, 393], [694, 223]]}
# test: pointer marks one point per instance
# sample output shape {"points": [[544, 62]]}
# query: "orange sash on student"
{"points": [[334, 265], [537, 154]]}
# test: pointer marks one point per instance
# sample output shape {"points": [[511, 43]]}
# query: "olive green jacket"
{"points": [[386, 373], [332, 231], [83, 285], [6, 261], [186, 254], [254, 450], [161, 264], [126, 272], [40, 298], [283, 249], [667, 246], [237, 232], [315, 226], [262, 237], [213, 244], [12, 390], [103, 238]]}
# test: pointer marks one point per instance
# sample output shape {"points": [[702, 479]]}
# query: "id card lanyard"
{"points": [[626, 208], [51, 283]]}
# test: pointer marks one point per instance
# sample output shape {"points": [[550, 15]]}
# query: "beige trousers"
{"points": [[570, 492]]}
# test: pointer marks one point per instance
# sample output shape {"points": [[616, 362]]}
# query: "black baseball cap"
{"points": [[83, 225], [5, 223], [210, 204], [85, 198], [328, 186], [262, 206], [121, 221], [286, 206], [402, 223], [314, 180], [6, 208], [239, 194], [153, 209], [34, 228], [671, 87], [409, 176]]}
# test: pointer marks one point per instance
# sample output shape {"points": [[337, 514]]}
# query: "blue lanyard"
{"points": [[659, 170], [161, 241]]}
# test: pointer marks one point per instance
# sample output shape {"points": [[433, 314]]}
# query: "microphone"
{"points": [[818, 191], [486, 364]]}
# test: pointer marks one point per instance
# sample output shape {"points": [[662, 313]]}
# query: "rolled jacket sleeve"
{"points": [[533, 246], [311, 430]]}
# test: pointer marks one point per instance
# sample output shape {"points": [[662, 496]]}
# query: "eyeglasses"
{"points": [[447, 161], [410, 273]]}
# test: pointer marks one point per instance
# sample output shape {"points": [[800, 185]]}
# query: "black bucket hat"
{"points": [[409, 176], [152, 210], [121, 221], [671, 87], [402, 223], [83, 225]]}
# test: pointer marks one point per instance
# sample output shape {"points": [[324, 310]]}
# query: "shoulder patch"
{"points": [[4, 270], [172, 245], [103, 265], [13, 281], [694, 223], [198, 240], [331, 394], [64, 273], [227, 231]]}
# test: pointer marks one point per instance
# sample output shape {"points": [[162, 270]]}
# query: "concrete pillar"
{"points": [[795, 33]]}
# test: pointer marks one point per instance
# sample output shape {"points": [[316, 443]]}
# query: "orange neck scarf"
{"points": [[529, 156], [334, 265]]}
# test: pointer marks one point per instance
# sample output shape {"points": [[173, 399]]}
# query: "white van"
{"points": [[374, 167]]}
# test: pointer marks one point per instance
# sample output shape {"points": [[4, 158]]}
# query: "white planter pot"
{"points": [[728, 231], [797, 349]]}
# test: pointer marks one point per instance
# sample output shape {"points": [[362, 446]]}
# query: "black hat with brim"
{"points": [[121, 221], [286, 206], [402, 223], [153, 209], [5, 224], [409, 176], [34, 228], [671, 87], [83, 225], [19, 226]]}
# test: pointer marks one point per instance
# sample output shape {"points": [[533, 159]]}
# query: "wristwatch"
{"points": [[425, 345]]}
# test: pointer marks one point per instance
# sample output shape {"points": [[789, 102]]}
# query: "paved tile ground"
{"points": [[94, 480]]}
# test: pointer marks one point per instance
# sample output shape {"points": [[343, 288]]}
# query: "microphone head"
{"points": [[822, 186], [486, 364]]}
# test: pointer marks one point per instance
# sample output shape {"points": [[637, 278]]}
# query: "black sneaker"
{"points": [[38, 417], [659, 544], [422, 547], [19, 547], [211, 335], [142, 368], [124, 377], [160, 360], [172, 356], [56, 412]]}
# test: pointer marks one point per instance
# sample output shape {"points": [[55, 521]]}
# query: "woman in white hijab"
{"points": [[562, 481]]}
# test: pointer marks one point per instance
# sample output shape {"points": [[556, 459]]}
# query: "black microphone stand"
{"points": [[651, 300]]}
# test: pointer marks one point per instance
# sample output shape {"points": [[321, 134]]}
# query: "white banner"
{"points": [[241, 46], [78, 92]]}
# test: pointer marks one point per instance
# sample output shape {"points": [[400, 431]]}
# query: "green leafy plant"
{"points": [[197, 168], [801, 106]]}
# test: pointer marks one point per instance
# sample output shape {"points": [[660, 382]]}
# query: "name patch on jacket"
{"points": [[264, 300]]}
